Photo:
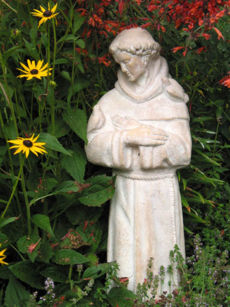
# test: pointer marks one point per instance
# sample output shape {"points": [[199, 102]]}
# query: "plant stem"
{"points": [[14, 188], [26, 200], [55, 47], [10, 7], [70, 276]]}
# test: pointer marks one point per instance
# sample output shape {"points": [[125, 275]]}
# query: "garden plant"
{"points": [[54, 67]]}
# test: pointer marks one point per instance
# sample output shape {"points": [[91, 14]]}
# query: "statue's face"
{"points": [[132, 65]]}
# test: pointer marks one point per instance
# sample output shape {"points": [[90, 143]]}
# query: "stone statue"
{"points": [[141, 130]]}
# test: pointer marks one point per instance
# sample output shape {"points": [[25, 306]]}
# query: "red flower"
{"points": [[199, 50], [219, 34], [206, 36], [104, 60], [226, 80], [32, 246], [175, 49]]}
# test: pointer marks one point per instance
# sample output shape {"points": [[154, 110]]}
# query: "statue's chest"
{"points": [[153, 110]]}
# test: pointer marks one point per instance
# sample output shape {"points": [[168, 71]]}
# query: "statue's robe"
{"points": [[145, 215]]}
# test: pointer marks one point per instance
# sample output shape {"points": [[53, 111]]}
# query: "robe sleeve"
{"points": [[106, 144], [175, 153]]}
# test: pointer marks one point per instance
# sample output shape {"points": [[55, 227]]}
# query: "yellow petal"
{"points": [[40, 144], [36, 11], [38, 77], [35, 139], [33, 151], [29, 64], [14, 146], [54, 8], [2, 252], [44, 67], [42, 9], [17, 141], [33, 65], [24, 66], [24, 71], [27, 151], [42, 21], [30, 77], [18, 150], [22, 76], [39, 65]]}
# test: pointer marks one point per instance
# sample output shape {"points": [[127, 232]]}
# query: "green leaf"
{"points": [[16, 295], [56, 272], [66, 75], [207, 158], [52, 143], [45, 251], [64, 187], [31, 49], [26, 272], [11, 51], [69, 37], [80, 43], [78, 21], [43, 222], [121, 297], [61, 61], [69, 256], [97, 195], [67, 186], [77, 87], [25, 242], [5, 272], [96, 271], [6, 221], [75, 165], [77, 121]]}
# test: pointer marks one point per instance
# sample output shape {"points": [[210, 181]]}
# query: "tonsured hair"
{"points": [[136, 41]]}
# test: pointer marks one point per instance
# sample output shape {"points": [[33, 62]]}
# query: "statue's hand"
{"points": [[145, 136]]}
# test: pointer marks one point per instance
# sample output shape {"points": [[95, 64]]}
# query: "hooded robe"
{"points": [[145, 214]]}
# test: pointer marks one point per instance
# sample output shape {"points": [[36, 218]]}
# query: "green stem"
{"points": [[20, 255], [14, 188], [70, 276], [216, 135], [55, 47], [49, 88], [26, 200], [10, 7]]}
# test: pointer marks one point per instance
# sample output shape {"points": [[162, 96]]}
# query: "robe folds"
{"points": [[145, 214]]}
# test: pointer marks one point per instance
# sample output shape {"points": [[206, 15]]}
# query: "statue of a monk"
{"points": [[141, 130]]}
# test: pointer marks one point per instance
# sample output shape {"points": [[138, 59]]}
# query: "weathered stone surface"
{"points": [[141, 130]]}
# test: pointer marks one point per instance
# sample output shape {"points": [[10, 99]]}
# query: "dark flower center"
{"points": [[47, 13], [28, 143], [34, 71]]}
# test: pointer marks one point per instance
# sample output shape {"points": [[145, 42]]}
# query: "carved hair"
{"points": [[136, 41]]}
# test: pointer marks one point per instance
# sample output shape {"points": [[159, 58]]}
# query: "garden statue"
{"points": [[140, 129]]}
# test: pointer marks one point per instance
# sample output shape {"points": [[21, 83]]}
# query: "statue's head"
{"points": [[133, 49]]}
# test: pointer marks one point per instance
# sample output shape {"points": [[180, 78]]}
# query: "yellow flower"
{"points": [[28, 144], [3, 256], [45, 14], [34, 70]]}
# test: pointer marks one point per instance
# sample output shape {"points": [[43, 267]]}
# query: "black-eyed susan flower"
{"points": [[3, 256], [28, 144], [45, 14], [34, 70]]}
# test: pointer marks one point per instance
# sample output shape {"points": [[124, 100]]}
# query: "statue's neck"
{"points": [[148, 85]]}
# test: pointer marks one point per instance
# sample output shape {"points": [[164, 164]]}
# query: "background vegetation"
{"points": [[54, 209]]}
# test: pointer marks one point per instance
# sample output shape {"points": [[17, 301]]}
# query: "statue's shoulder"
{"points": [[174, 90], [108, 99]]}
